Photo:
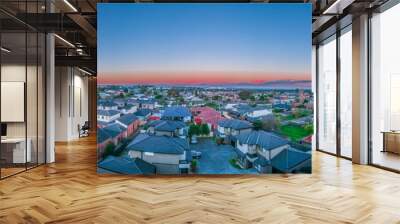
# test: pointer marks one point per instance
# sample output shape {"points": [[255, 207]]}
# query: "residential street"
{"points": [[215, 159]]}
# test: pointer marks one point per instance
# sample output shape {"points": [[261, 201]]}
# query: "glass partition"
{"points": [[13, 86], [385, 89], [327, 95], [346, 92], [22, 88]]}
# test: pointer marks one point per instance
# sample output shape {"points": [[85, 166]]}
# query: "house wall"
{"points": [[242, 147], [166, 168], [274, 152], [162, 158], [164, 133]]}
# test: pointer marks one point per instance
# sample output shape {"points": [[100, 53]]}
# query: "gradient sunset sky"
{"points": [[203, 43]]}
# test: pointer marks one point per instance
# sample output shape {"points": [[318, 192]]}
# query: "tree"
{"points": [[143, 89], [269, 124], [109, 150], [173, 92], [244, 95], [157, 97], [257, 125], [194, 130], [216, 97], [204, 129]]}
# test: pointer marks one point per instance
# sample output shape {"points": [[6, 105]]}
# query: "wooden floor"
{"points": [[70, 191]]}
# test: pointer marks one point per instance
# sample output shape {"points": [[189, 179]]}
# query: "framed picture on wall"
{"points": [[204, 89]]}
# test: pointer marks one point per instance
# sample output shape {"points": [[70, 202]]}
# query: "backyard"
{"points": [[295, 132]]}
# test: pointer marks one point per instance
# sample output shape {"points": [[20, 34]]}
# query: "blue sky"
{"points": [[259, 38]]}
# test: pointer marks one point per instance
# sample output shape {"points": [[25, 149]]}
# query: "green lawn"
{"points": [[295, 132]]}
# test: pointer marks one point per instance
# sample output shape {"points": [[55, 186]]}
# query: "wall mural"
{"points": [[204, 89]]}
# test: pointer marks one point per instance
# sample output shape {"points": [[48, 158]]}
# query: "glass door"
{"points": [[385, 89]]}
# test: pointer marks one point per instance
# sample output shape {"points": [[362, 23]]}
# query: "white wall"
{"points": [[71, 103]]}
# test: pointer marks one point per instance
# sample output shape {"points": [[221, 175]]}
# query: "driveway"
{"points": [[215, 158]]}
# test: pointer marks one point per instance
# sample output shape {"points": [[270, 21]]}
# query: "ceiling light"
{"points": [[337, 7], [5, 50], [84, 71], [70, 5], [64, 40]]}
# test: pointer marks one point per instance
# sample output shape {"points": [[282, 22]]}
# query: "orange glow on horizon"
{"points": [[192, 78]]}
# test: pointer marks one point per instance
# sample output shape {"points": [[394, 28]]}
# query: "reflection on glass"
{"points": [[327, 96], [346, 93]]}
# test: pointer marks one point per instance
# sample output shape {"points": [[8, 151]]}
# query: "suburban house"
{"points": [[177, 113], [292, 160], [266, 151], [249, 112], [258, 113], [107, 105], [147, 104], [143, 114], [120, 102], [167, 128], [130, 122], [108, 115], [103, 139], [170, 155], [116, 131], [227, 129], [207, 115], [128, 109], [282, 106], [124, 165], [257, 148]]}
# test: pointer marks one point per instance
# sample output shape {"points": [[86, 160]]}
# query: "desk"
{"points": [[391, 141], [13, 150]]}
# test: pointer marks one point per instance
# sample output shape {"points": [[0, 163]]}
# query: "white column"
{"points": [[50, 100], [360, 90]]}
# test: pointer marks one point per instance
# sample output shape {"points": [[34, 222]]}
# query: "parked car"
{"points": [[196, 154], [194, 140]]}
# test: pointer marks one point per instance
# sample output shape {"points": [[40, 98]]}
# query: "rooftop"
{"points": [[177, 111], [158, 144], [166, 125], [125, 165], [235, 124], [127, 119], [107, 112], [266, 140]]}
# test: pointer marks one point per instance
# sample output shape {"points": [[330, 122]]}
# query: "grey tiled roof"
{"points": [[288, 159], [107, 104], [127, 119], [102, 135], [166, 125], [125, 165], [235, 124], [158, 144], [177, 111], [264, 139], [114, 129], [143, 112], [107, 112]]}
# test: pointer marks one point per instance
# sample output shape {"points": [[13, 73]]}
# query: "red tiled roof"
{"points": [[206, 115]]}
